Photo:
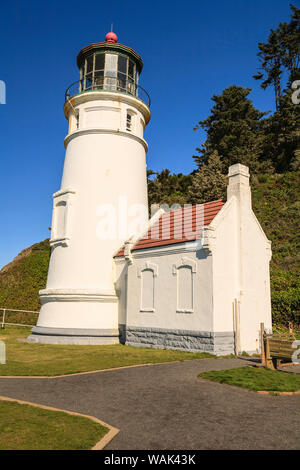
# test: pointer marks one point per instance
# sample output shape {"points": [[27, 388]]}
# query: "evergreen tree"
{"points": [[289, 35], [280, 53], [234, 129], [282, 137], [208, 183], [271, 64], [169, 189]]}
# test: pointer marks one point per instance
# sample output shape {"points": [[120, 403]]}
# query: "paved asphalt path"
{"points": [[165, 406]]}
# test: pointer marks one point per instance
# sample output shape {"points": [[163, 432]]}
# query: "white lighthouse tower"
{"points": [[103, 184]]}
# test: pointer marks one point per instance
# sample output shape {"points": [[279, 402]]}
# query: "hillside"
{"points": [[276, 202], [21, 280]]}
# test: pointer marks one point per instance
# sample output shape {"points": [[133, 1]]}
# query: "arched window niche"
{"points": [[147, 273], [184, 271]]}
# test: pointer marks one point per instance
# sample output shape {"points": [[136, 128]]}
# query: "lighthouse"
{"points": [[103, 184]]}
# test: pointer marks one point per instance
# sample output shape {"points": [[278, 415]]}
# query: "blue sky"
{"points": [[191, 50]]}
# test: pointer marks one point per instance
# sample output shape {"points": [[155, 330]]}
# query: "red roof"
{"points": [[178, 226]]}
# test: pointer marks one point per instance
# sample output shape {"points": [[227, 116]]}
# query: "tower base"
{"points": [[77, 316], [73, 336]]}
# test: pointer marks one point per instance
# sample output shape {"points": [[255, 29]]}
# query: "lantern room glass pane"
{"points": [[99, 62], [122, 64], [99, 79], [99, 70], [122, 71], [88, 81], [111, 62], [131, 69], [89, 64], [111, 65]]}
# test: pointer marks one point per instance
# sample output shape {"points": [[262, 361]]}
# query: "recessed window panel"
{"points": [[185, 288], [60, 219], [147, 300]]}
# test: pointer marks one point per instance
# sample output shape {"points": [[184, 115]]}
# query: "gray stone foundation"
{"points": [[220, 343]]}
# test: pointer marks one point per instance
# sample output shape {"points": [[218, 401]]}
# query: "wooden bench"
{"points": [[278, 348]]}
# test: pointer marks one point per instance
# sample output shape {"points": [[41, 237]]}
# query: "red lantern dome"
{"points": [[111, 37]]}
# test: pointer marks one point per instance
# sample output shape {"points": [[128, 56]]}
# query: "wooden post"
{"points": [[262, 344], [3, 319], [237, 326], [269, 362], [292, 335]]}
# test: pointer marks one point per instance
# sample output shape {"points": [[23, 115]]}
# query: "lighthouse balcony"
{"points": [[101, 82]]}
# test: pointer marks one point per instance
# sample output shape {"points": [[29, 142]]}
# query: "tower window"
{"points": [[129, 122]]}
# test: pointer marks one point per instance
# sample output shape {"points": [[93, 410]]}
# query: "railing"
{"points": [[5, 310], [121, 83]]}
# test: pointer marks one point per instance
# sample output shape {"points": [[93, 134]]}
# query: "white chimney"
{"points": [[238, 184]]}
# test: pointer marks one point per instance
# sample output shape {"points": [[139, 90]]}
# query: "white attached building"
{"points": [[196, 278], [206, 285]]}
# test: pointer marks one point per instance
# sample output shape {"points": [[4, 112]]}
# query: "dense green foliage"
{"points": [[169, 189], [208, 184], [276, 203], [235, 130], [279, 68]]}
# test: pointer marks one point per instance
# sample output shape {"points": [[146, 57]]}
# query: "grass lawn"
{"points": [[25, 427], [256, 378], [48, 359]]}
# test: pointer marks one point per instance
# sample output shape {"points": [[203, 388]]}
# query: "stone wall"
{"points": [[186, 340]]}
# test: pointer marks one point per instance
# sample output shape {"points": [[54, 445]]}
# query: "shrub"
{"points": [[286, 306]]}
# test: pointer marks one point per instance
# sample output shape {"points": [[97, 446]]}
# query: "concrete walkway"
{"points": [[166, 406]]}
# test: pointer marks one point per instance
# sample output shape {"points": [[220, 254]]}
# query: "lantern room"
{"points": [[109, 66]]}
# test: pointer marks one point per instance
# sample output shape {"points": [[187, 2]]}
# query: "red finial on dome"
{"points": [[111, 37]]}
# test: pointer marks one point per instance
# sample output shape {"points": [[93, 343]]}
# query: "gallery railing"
{"points": [[121, 83]]}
